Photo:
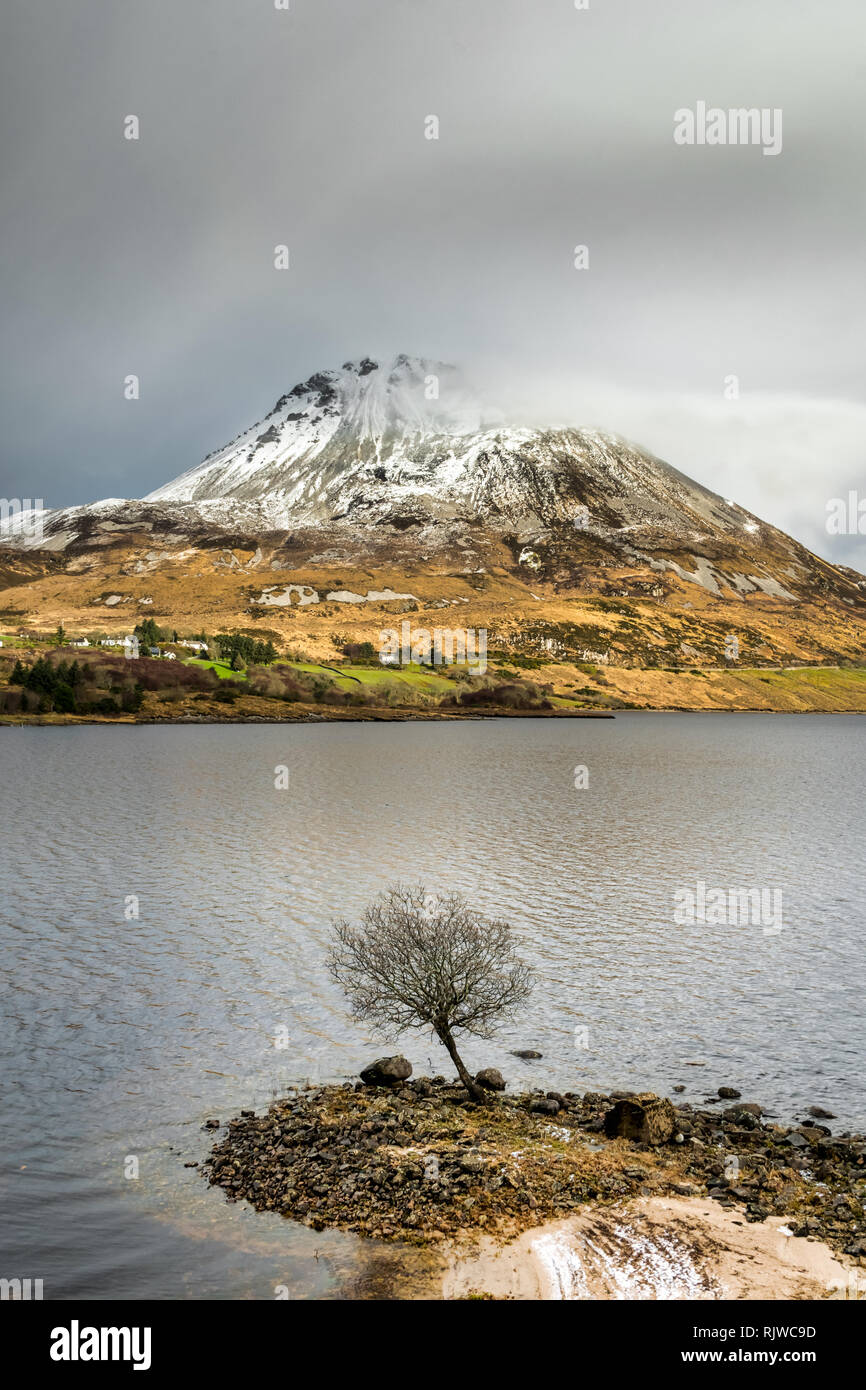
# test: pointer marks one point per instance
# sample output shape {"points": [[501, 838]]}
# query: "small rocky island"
{"points": [[420, 1161]]}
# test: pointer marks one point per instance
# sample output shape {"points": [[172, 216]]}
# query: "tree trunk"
{"points": [[475, 1091]]}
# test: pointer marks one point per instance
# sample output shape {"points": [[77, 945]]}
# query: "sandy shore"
{"points": [[654, 1248]]}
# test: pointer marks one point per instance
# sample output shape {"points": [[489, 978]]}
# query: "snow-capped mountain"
{"points": [[351, 457], [371, 441], [381, 488], [408, 443]]}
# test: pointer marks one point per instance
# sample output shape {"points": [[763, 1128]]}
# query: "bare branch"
{"points": [[420, 961]]}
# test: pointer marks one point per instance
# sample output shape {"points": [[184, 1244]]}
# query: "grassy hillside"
{"points": [[54, 685]]}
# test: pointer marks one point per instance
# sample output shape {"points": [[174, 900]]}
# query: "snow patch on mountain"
{"points": [[362, 415]]}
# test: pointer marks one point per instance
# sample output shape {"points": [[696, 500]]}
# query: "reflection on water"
{"points": [[165, 910]]}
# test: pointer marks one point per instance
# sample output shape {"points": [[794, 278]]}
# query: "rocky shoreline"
{"points": [[372, 715], [416, 1160]]}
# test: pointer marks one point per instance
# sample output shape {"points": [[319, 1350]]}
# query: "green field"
{"points": [[224, 672], [829, 687], [346, 677]]}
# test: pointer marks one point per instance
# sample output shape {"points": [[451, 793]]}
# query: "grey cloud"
{"points": [[261, 127]]}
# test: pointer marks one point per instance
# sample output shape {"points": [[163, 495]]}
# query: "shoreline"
{"points": [[339, 717], [543, 1195], [385, 717]]}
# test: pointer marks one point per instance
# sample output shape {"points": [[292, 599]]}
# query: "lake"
{"points": [[165, 911]]}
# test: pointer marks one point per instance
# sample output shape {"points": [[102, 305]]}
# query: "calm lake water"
{"points": [[121, 1035]]}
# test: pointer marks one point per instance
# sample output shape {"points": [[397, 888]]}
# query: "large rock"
{"points": [[388, 1071], [544, 1106], [528, 1054], [796, 1140], [743, 1115], [644, 1118], [490, 1079], [744, 1107]]}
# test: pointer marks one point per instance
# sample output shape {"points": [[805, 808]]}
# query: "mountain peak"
{"points": [[364, 412]]}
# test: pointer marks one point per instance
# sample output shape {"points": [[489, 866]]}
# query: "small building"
{"points": [[153, 651]]}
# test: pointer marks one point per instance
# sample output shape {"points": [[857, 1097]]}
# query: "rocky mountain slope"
{"points": [[386, 488]]}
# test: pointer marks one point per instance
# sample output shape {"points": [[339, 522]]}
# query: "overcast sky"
{"points": [[261, 127]]}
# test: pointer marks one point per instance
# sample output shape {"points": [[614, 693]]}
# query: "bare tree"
{"points": [[417, 961]]}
